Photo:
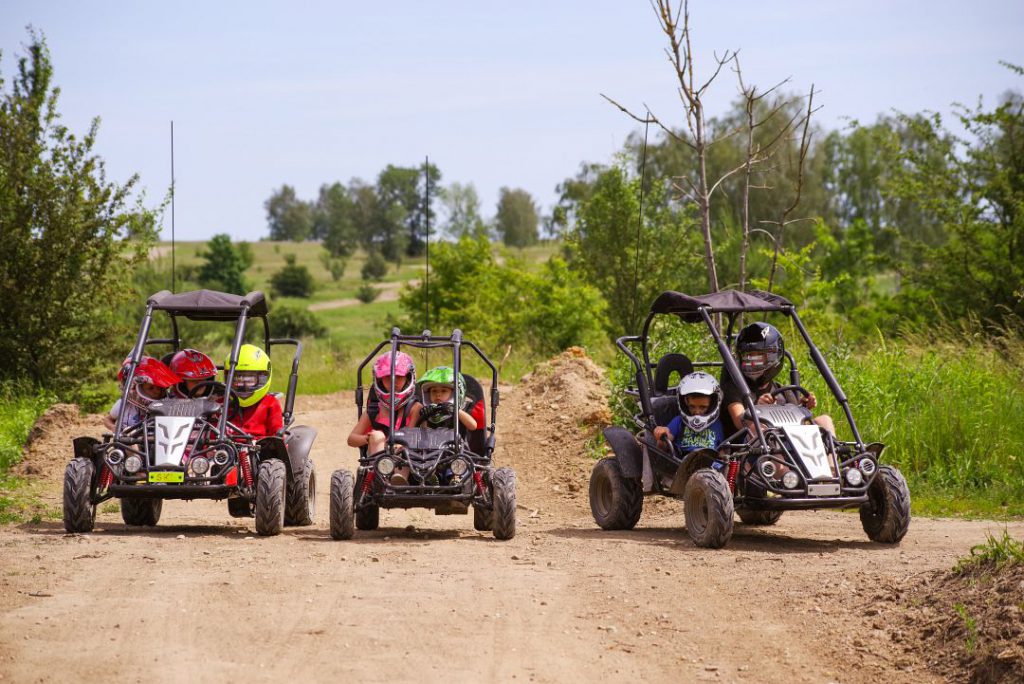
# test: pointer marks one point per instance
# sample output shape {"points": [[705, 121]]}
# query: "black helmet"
{"points": [[760, 351]]}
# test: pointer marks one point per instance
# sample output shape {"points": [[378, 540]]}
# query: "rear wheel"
{"points": [[342, 519], [503, 494], [301, 500], [79, 511], [616, 502], [271, 485], [481, 519], [141, 511], [749, 517], [886, 515], [708, 508]]}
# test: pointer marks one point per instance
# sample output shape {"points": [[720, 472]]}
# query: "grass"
{"points": [[971, 641], [993, 553], [19, 409]]}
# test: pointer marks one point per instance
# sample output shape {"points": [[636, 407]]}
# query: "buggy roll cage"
{"points": [[426, 340], [731, 303], [210, 305]]}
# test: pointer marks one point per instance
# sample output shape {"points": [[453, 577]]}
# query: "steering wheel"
{"points": [[216, 388], [799, 389]]}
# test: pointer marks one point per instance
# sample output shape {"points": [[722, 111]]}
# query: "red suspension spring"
{"points": [[368, 481], [734, 467], [106, 477], [243, 459], [479, 479]]}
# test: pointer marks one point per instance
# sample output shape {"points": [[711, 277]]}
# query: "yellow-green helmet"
{"points": [[252, 374]]}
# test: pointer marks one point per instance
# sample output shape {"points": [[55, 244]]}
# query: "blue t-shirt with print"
{"points": [[687, 440]]}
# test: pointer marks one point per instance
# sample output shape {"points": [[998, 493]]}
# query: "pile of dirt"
{"points": [[546, 426], [969, 626], [48, 448]]}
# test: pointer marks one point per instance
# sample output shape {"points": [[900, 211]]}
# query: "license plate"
{"points": [[823, 490], [169, 476]]}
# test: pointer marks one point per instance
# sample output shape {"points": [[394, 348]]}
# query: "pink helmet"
{"points": [[404, 367]]}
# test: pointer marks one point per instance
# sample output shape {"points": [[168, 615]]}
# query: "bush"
{"points": [[367, 293], [334, 265], [375, 267], [292, 280], [294, 321]]}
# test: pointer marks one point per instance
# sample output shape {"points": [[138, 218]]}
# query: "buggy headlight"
{"points": [[132, 464], [790, 480], [221, 457], [459, 466], [853, 477], [867, 466], [200, 465], [385, 465], [115, 456], [768, 469]]}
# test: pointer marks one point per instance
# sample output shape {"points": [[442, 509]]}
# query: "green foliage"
{"points": [[970, 625], [287, 320], [20, 406], [462, 206], [225, 264], [993, 554], [70, 238], [375, 267], [367, 293], [334, 221], [292, 280], [288, 217], [516, 220], [333, 265], [399, 221]]}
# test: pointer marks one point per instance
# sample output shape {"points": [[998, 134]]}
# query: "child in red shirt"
{"points": [[259, 413]]}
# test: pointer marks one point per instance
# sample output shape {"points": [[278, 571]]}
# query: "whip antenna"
{"points": [[172, 206], [640, 217], [426, 220]]}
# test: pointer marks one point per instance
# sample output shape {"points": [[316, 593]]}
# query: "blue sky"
{"points": [[496, 94]]}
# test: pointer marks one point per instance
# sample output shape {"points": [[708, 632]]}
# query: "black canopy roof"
{"points": [[724, 301], [208, 305]]}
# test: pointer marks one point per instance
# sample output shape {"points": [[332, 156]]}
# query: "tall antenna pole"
{"points": [[172, 206], [426, 219]]}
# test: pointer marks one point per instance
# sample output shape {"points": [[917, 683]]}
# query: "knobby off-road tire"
{"points": [[708, 508], [342, 519], [141, 512], [482, 519], [616, 502], [759, 517], [300, 506], [79, 511], [886, 515], [271, 487], [503, 494]]}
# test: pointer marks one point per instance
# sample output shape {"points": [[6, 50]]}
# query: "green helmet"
{"points": [[252, 374], [442, 376]]}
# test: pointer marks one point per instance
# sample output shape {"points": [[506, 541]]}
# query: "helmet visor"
{"points": [[247, 382]]}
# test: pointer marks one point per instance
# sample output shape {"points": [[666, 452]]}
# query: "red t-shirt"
{"points": [[262, 419]]}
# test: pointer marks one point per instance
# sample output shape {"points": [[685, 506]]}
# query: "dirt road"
{"points": [[425, 598]]}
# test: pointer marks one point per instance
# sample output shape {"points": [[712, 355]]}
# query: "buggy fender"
{"points": [[85, 447], [627, 450], [299, 441], [691, 463], [274, 447]]}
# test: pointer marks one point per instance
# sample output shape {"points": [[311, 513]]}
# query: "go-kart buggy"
{"points": [[450, 470], [780, 460], [188, 448]]}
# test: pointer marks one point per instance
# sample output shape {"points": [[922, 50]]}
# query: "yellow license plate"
{"points": [[170, 476]]}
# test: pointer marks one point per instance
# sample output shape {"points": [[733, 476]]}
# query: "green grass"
{"points": [[19, 409], [994, 553]]}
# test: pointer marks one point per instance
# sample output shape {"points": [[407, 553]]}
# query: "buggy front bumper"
{"points": [[796, 504], [171, 491]]}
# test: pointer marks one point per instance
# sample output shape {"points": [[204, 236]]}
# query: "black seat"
{"points": [[665, 408], [668, 364]]}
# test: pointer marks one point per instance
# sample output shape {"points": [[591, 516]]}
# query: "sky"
{"points": [[496, 94]]}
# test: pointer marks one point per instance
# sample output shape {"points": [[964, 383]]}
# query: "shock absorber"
{"points": [[734, 467], [243, 459], [479, 479], [368, 482], [106, 477]]}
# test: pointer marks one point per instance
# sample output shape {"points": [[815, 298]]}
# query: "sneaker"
{"points": [[398, 479]]}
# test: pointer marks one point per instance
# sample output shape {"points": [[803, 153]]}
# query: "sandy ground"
{"points": [[427, 599]]}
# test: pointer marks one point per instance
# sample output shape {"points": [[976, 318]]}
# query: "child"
{"points": [[438, 387], [697, 426], [259, 414], [373, 426], [193, 367], [151, 381]]}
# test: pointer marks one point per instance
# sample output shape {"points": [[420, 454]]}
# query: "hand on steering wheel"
{"points": [[806, 396]]}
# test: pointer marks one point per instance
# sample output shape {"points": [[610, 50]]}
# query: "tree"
{"points": [[292, 280], [401, 218], [70, 238], [375, 267], [333, 220], [224, 266], [288, 217], [462, 206], [516, 220]]}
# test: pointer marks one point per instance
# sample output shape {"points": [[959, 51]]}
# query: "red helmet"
{"points": [[149, 371], [190, 364]]}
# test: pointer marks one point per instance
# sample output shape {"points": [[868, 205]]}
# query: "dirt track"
{"points": [[425, 598]]}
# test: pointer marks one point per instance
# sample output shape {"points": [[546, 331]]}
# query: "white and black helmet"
{"points": [[699, 383]]}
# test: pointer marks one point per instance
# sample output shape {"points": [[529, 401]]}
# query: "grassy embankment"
{"points": [[18, 411]]}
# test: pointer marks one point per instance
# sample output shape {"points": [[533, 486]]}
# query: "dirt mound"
{"points": [[968, 626], [546, 426], [48, 447]]}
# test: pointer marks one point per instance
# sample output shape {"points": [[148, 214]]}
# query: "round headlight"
{"points": [[854, 477], [221, 457], [200, 465], [867, 466], [790, 480], [385, 466], [459, 467], [115, 456], [768, 469], [133, 464]]}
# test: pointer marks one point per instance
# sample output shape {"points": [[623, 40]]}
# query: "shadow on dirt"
{"points": [[390, 535], [103, 529]]}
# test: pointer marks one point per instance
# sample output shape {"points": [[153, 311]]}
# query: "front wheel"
{"points": [[616, 502], [708, 508], [271, 485], [482, 519], [342, 519], [79, 510], [301, 500], [141, 512], [503, 495], [886, 515], [748, 517]]}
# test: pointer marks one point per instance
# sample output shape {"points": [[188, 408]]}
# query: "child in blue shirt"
{"points": [[697, 426]]}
